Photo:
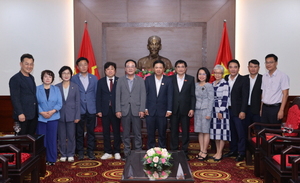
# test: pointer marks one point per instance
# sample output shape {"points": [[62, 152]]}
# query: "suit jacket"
{"points": [[134, 100], [185, 100], [23, 97], [239, 94], [88, 97], [104, 96], [256, 95], [71, 105], [159, 105], [53, 102]]}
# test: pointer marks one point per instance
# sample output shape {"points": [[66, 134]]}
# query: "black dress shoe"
{"points": [[124, 158], [240, 157], [187, 157], [80, 157], [91, 155], [230, 154]]}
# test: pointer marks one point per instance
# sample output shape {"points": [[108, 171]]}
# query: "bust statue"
{"points": [[154, 45]]}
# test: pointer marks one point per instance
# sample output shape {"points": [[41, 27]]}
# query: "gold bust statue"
{"points": [[154, 45]]}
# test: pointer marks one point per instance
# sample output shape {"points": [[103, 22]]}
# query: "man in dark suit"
{"points": [[238, 102], [87, 84], [159, 89], [183, 105], [23, 96], [106, 109], [254, 102]]}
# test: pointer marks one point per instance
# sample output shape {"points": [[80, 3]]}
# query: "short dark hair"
{"points": [[253, 61], [159, 62], [206, 72], [63, 68], [26, 55], [272, 55], [107, 64], [130, 60], [80, 59], [233, 61], [50, 73], [180, 62]]}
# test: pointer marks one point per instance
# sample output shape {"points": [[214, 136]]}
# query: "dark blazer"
{"points": [[256, 95], [23, 97], [159, 105], [239, 95], [71, 106], [104, 96], [88, 97], [185, 100]]}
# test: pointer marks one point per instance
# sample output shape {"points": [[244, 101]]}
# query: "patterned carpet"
{"points": [[110, 171]]}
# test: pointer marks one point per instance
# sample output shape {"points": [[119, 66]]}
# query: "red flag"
{"points": [[86, 50], [224, 53]]}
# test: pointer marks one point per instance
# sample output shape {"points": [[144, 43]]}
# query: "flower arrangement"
{"points": [[157, 159], [156, 175], [145, 73]]}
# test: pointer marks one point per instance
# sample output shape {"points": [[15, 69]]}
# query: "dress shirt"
{"points": [[272, 87], [130, 82], [180, 82], [231, 83], [158, 83], [252, 82], [84, 80], [66, 92], [108, 81]]}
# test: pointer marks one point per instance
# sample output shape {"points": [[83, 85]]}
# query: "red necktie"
{"points": [[111, 85]]}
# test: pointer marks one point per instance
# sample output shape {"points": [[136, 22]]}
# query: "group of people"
{"points": [[222, 110]]}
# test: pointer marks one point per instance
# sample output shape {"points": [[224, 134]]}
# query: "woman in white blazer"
{"points": [[49, 103]]}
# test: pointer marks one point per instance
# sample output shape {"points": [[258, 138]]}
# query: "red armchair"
{"points": [[295, 171], [278, 166], [20, 164]]}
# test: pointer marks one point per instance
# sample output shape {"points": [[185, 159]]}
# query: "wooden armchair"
{"points": [[4, 169], [29, 144], [295, 171], [20, 164], [278, 166]]}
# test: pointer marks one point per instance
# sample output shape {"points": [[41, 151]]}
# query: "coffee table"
{"points": [[134, 168]]}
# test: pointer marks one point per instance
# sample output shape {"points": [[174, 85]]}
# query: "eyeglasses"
{"points": [[201, 74], [269, 63], [130, 66], [218, 73]]}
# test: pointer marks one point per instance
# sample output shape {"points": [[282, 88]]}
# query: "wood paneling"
{"points": [[108, 10], [215, 28], [6, 111], [200, 11], [153, 11]]}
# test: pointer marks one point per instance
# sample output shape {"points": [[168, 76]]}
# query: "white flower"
{"points": [[165, 154], [150, 152], [155, 159]]}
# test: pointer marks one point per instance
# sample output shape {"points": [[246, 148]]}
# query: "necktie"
{"points": [[111, 84]]}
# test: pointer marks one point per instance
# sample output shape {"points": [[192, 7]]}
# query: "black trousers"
{"points": [[185, 126], [111, 119], [88, 120], [269, 114], [28, 127]]}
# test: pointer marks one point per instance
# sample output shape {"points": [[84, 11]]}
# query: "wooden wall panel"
{"points": [[6, 111], [153, 11], [108, 11], [199, 11], [81, 14], [177, 43], [215, 28]]}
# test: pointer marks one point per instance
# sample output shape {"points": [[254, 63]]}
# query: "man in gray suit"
{"points": [[130, 105]]}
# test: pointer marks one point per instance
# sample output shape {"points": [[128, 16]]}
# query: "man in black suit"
{"points": [[254, 102], [23, 96], [183, 105], [238, 102], [159, 91], [106, 109]]}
